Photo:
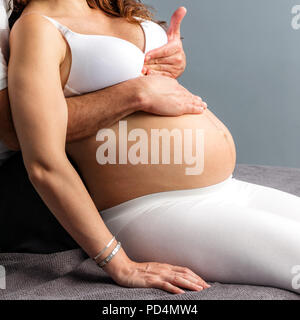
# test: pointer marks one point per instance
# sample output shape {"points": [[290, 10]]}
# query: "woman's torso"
{"points": [[210, 149], [112, 184]]}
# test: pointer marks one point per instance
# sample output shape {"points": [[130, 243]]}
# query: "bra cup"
{"points": [[156, 36], [98, 63]]}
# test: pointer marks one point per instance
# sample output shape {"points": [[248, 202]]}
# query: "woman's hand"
{"points": [[157, 275]]}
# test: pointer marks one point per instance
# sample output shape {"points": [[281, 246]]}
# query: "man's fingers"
{"points": [[196, 105], [174, 28], [172, 49], [173, 60], [160, 73], [160, 67], [169, 49], [192, 109]]}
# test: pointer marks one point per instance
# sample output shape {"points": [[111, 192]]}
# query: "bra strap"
{"points": [[63, 29]]}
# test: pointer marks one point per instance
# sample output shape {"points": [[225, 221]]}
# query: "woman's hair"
{"points": [[117, 8]]}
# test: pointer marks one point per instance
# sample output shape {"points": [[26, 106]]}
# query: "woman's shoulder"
{"points": [[35, 30], [34, 26]]}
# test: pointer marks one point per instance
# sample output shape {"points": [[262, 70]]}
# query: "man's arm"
{"points": [[90, 112], [87, 113]]}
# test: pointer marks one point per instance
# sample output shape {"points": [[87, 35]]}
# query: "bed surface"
{"points": [[71, 275]]}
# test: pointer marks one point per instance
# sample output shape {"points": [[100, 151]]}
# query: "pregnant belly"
{"points": [[145, 154]]}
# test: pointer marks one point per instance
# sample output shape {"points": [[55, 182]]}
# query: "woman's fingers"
{"points": [[184, 281], [163, 276], [187, 271], [174, 283], [167, 286], [187, 274]]}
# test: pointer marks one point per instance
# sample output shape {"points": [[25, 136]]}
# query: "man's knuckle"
{"points": [[178, 59], [165, 52]]}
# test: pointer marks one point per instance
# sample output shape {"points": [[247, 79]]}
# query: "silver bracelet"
{"points": [[107, 259], [104, 249]]}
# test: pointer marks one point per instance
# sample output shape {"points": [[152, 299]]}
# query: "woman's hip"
{"points": [[212, 201], [120, 215]]}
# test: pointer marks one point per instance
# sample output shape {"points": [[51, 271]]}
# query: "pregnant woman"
{"points": [[191, 217]]}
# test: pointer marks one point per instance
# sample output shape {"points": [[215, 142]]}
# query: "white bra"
{"points": [[100, 61]]}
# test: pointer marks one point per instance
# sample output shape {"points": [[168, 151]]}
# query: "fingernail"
{"points": [[208, 286], [199, 287], [148, 58]]}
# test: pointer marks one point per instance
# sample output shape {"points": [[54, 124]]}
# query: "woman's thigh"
{"points": [[219, 239], [267, 199]]}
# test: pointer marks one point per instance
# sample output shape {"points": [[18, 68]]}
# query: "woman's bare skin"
{"points": [[112, 184]]}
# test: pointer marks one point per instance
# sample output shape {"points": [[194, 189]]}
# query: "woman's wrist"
{"points": [[112, 258], [118, 264]]}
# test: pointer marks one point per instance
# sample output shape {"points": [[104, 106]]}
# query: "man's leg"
{"points": [[26, 224]]}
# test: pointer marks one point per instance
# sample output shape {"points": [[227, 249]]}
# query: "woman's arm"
{"points": [[40, 116]]}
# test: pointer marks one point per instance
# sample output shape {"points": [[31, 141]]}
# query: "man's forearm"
{"points": [[91, 112], [87, 113]]}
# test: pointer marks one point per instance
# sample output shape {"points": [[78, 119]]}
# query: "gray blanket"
{"points": [[71, 275]]}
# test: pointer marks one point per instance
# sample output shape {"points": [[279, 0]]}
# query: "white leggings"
{"points": [[231, 232]]}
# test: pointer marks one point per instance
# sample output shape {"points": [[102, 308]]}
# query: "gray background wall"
{"points": [[244, 60]]}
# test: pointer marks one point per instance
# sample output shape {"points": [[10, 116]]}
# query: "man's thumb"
{"points": [[174, 28]]}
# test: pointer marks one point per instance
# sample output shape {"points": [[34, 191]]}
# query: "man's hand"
{"points": [[168, 60], [164, 96]]}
